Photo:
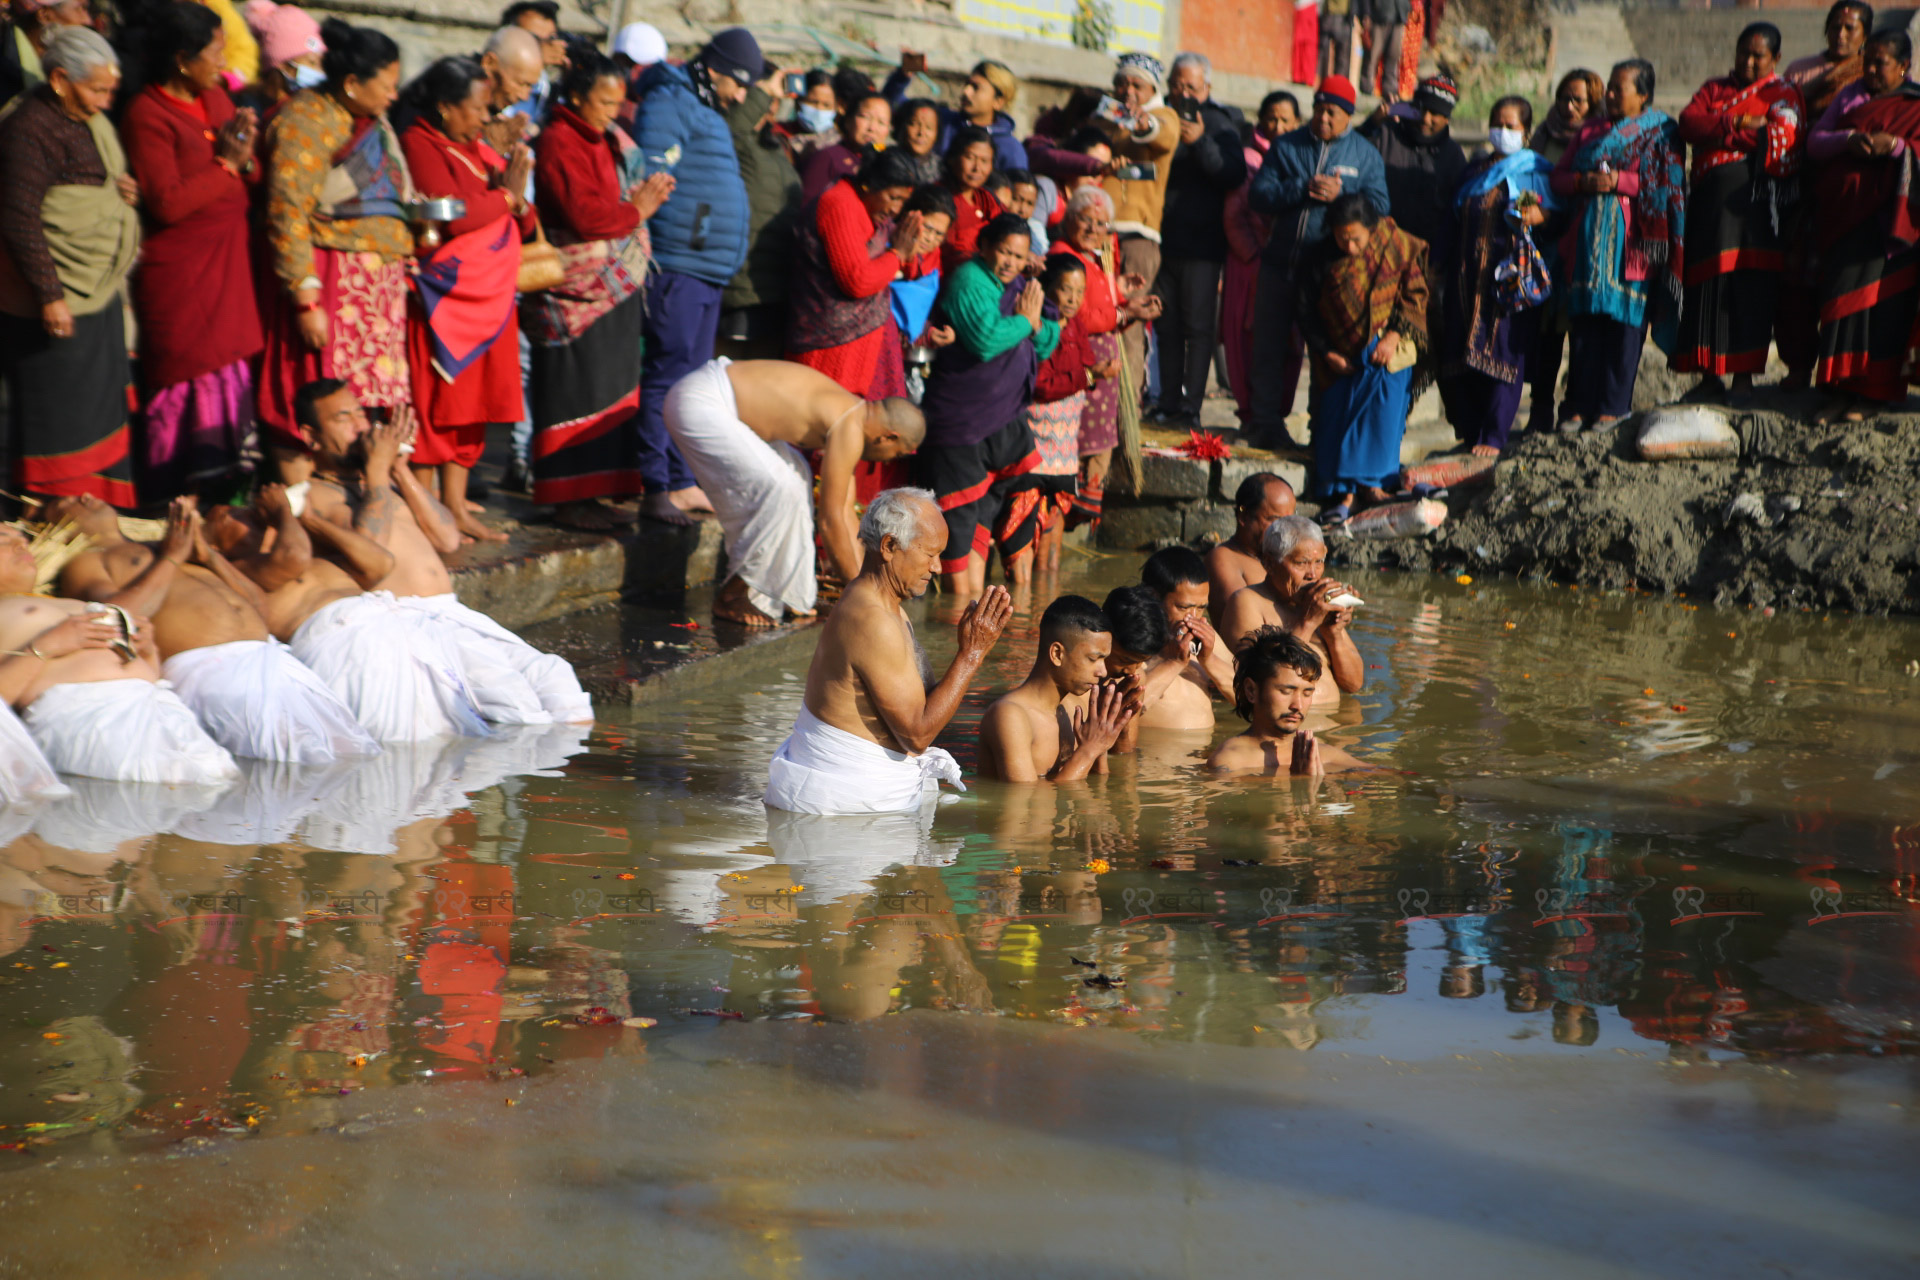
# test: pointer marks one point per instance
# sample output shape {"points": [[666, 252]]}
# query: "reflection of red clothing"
{"points": [[973, 210], [466, 978]]}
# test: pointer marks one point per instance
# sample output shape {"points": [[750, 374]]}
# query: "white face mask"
{"points": [[816, 119], [306, 77], [1506, 141]]}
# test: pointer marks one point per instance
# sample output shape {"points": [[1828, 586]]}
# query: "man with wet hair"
{"points": [[744, 427], [1299, 597], [1261, 499], [1274, 679], [1194, 656], [863, 742], [1030, 734]]}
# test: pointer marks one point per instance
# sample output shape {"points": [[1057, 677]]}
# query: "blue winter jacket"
{"points": [[702, 229], [1007, 151], [1279, 190]]}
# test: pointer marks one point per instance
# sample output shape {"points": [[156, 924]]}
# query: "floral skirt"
{"points": [[1056, 433], [365, 298], [1100, 424]]}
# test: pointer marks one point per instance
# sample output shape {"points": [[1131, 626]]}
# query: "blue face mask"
{"points": [[815, 119], [306, 77]]}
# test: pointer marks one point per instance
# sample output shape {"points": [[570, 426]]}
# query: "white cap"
{"points": [[642, 42]]}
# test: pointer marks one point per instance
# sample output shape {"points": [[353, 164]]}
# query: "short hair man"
{"points": [[1274, 679], [1177, 577], [541, 20], [1299, 597], [744, 427], [1261, 499], [1140, 634], [1029, 734], [863, 742]]}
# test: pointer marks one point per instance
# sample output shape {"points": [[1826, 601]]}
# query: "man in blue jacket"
{"points": [[699, 241], [1304, 172], [984, 99]]}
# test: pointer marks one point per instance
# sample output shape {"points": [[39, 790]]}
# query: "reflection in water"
{"points": [[1606, 822]]}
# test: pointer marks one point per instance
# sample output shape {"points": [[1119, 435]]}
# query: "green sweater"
{"points": [[971, 300]]}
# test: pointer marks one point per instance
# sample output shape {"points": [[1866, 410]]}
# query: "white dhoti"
{"points": [[514, 682], [832, 857], [761, 490], [403, 682], [257, 700], [25, 774], [126, 731], [821, 769]]}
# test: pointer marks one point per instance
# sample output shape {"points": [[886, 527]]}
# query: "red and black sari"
{"points": [[1744, 183], [1866, 225]]}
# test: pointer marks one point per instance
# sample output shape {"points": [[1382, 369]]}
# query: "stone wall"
{"points": [[1183, 501]]}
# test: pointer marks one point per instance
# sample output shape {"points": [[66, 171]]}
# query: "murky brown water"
{"points": [[1617, 824]]}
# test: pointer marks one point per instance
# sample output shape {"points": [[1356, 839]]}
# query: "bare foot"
{"points": [[474, 508], [733, 605], [591, 517], [472, 528], [693, 500], [1374, 496], [1484, 451], [662, 507]]}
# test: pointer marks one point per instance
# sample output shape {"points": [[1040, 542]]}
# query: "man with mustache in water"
{"points": [[1298, 597], [247, 688], [1274, 679], [360, 483], [863, 742], [1260, 500]]}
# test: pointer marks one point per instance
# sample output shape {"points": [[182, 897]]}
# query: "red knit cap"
{"points": [[1339, 91]]}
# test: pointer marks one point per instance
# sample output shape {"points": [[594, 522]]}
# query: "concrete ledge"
{"points": [[542, 572]]}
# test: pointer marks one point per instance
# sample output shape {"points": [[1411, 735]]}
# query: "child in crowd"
{"points": [[1273, 681], [1060, 398]]}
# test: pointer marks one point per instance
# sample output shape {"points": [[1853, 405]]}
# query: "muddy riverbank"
{"points": [[1806, 517]]}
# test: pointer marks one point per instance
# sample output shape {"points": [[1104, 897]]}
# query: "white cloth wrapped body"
{"points": [[257, 700], [821, 769], [513, 682], [762, 491], [401, 680], [26, 776], [126, 731]]}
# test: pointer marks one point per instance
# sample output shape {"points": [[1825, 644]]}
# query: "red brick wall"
{"points": [[1245, 37]]}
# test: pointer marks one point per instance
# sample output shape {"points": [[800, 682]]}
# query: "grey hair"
{"points": [[895, 513], [78, 51], [1192, 60], [513, 44], [1086, 196], [1286, 533]]}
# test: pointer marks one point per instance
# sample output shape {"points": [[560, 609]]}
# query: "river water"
{"points": [[1629, 915]]}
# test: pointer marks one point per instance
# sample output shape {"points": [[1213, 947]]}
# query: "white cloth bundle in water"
{"points": [[821, 769], [762, 491], [126, 731], [25, 774], [401, 680], [257, 700], [514, 682], [101, 816]]}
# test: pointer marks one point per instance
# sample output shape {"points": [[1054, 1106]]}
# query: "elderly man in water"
{"points": [[863, 742], [744, 428], [1261, 499], [1299, 597]]}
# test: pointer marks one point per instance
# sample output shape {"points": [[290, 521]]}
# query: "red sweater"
{"points": [[973, 210], [193, 290], [578, 187], [1065, 371], [443, 167], [1099, 313]]}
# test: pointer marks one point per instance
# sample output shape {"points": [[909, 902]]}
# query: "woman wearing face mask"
{"points": [[979, 450], [814, 117], [1745, 130], [1500, 193], [290, 53], [1626, 179], [1574, 103], [863, 130]]}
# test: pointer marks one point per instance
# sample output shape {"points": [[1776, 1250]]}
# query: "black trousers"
{"points": [[1189, 290]]}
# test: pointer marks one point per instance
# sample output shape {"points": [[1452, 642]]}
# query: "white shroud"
{"points": [[821, 769]]}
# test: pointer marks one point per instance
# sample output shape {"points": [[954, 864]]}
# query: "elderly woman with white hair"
{"points": [[69, 234], [1113, 304]]}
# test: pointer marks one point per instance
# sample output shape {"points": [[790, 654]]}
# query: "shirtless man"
{"points": [[1297, 597], [1178, 577], [1029, 735], [862, 741], [1276, 675], [744, 428], [1259, 501], [250, 693], [399, 678], [97, 712], [359, 484]]}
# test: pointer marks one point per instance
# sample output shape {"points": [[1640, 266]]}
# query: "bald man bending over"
{"points": [[743, 428]]}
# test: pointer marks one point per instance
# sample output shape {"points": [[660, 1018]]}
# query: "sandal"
{"points": [[1335, 516]]}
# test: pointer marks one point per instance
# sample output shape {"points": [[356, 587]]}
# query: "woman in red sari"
{"points": [[1865, 228], [193, 290], [1746, 131], [969, 164], [463, 335]]}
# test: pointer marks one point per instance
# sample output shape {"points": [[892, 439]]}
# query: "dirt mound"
{"points": [[1820, 517]]}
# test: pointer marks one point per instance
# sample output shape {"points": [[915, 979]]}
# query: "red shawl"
{"points": [[1854, 188]]}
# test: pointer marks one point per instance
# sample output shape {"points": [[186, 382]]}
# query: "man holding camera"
{"points": [[1145, 133]]}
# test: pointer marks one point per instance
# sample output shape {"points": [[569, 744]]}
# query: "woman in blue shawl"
{"points": [[1503, 195], [1623, 254]]}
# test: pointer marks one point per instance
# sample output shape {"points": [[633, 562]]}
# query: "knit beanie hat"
{"points": [[736, 54], [284, 31], [1437, 94], [1143, 66], [1339, 91]]}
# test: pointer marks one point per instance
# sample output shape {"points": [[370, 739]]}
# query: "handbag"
{"points": [[540, 265], [1521, 280]]}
